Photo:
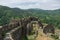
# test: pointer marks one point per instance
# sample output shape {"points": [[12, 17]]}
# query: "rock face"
{"points": [[40, 24], [14, 34], [59, 35], [19, 29], [16, 29], [29, 28], [49, 29], [8, 37]]}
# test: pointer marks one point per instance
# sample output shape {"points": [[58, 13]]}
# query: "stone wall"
{"points": [[16, 29], [1, 38], [6, 28], [14, 34]]}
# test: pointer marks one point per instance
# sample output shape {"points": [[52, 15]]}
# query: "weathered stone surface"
{"points": [[49, 29], [14, 34], [17, 28]]}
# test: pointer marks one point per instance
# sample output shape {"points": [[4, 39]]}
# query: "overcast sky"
{"points": [[26, 4]]}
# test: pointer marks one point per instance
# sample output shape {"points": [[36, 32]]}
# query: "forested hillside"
{"points": [[46, 16]]}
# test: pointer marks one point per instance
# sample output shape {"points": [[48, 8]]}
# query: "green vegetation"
{"points": [[3, 34], [46, 16], [24, 37], [55, 37]]}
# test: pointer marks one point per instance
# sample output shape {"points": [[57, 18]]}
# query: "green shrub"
{"points": [[3, 34], [55, 36]]}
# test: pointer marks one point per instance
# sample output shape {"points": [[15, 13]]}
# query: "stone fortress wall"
{"points": [[16, 29]]}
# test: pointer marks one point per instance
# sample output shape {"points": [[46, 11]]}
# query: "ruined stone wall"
{"points": [[14, 34], [17, 31], [1, 38], [6, 28]]}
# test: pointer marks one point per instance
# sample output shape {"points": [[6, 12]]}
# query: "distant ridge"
{"points": [[47, 16]]}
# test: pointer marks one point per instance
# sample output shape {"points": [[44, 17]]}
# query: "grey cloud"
{"points": [[49, 5], [24, 3]]}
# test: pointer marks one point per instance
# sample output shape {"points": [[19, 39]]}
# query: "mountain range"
{"points": [[46, 16]]}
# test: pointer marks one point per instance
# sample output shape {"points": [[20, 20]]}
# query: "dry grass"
{"points": [[42, 36]]}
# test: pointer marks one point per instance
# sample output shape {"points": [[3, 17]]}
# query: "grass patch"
{"points": [[56, 37]]}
